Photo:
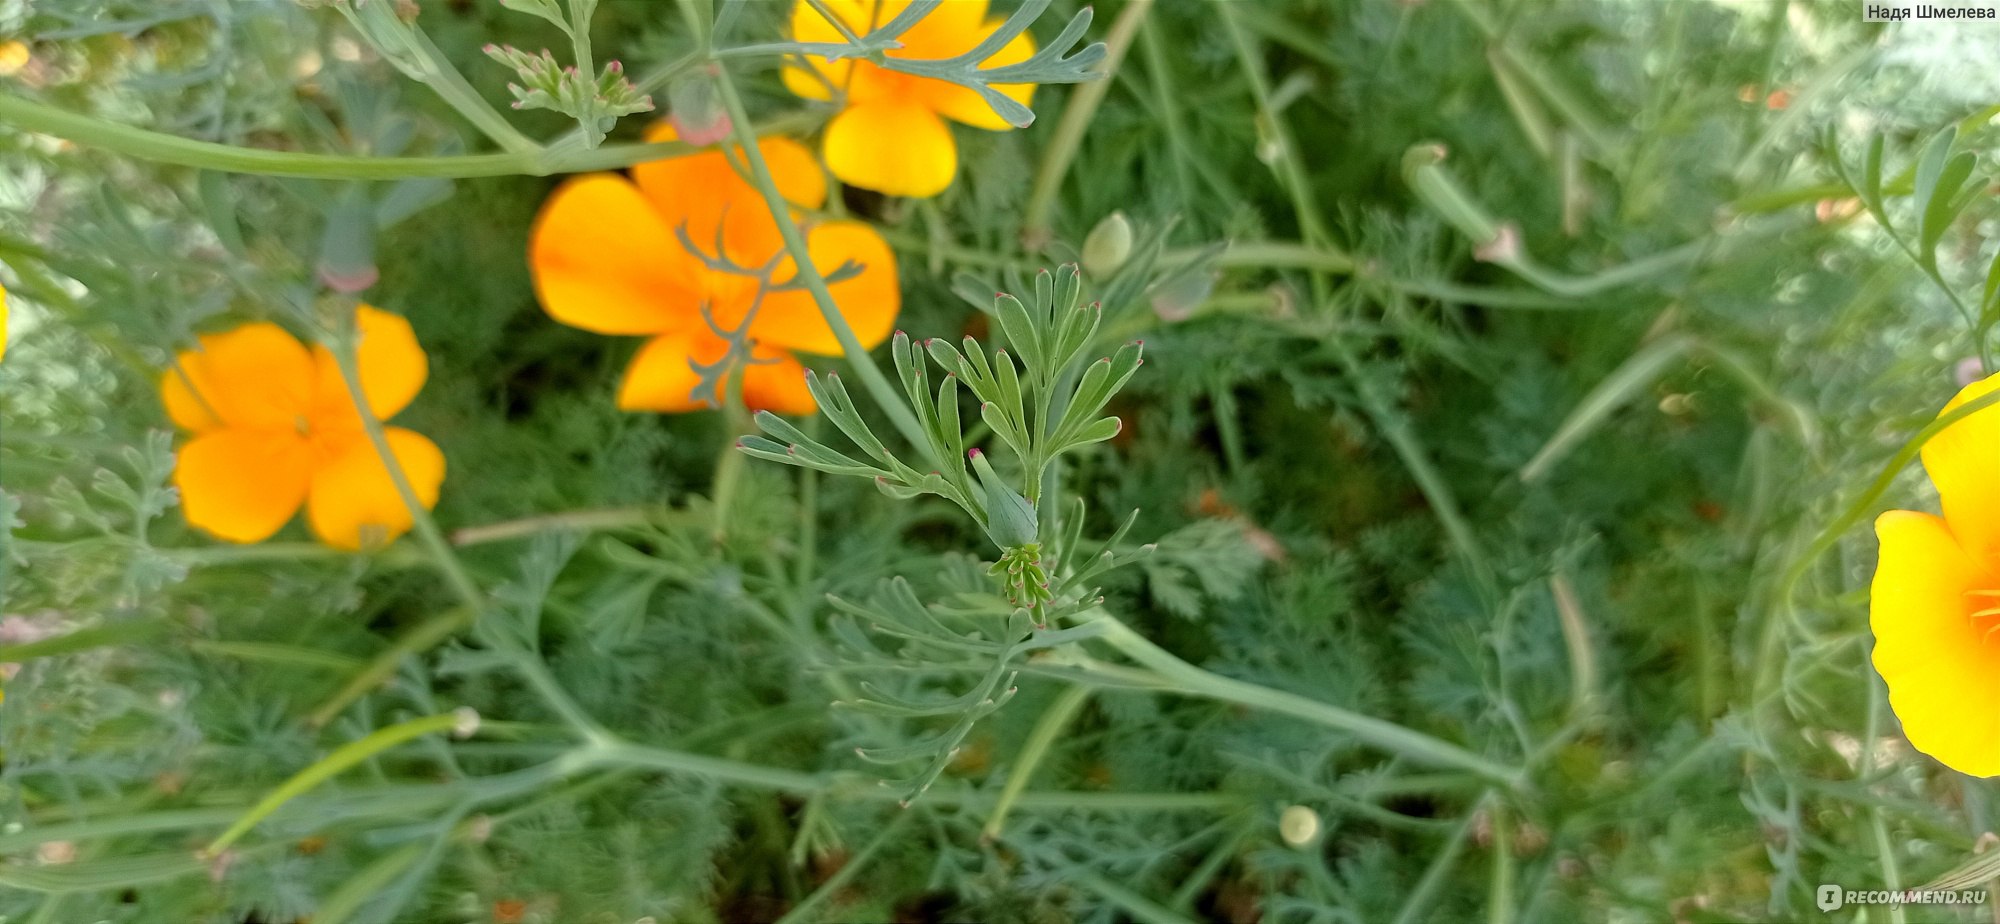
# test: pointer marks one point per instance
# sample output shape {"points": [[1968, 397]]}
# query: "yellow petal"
{"points": [[354, 504], [1964, 463], [605, 261], [241, 484], [809, 26], [951, 29], [891, 146], [964, 104], [1941, 665], [3, 321], [256, 375], [868, 300], [392, 364], [662, 377]]}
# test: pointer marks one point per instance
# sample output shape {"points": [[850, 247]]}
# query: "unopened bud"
{"points": [[1108, 245], [1969, 370], [695, 112]]}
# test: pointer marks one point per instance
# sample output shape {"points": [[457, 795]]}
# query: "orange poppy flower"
{"points": [[607, 257], [1936, 598], [890, 136], [273, 428]]}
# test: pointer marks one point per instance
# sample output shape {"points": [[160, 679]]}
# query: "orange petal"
{"points": [[892, 146], [605, 261], [777, 383], [704, 191], [354, 503], [868, 300], [1964, 463], [1942, 665], [241, 484], [964, 104], [662, 377], [392, 364], [256, 375]]}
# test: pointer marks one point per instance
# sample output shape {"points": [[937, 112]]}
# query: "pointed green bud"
{"points": [[1010, 519], [1108, 245]]}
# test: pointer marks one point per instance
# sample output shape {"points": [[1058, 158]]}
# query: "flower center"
{"points": [[1985, 610]]}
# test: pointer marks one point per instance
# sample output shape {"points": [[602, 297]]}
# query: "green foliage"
{"points": [[1518, 382]]}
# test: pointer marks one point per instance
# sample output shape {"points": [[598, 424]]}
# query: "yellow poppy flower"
{"points": [[1936, 598], [273, 428], [890, 136], [606, 257], [3, 322]]}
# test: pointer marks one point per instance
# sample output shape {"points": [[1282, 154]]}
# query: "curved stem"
{"points": [[889, 398], [1194, 681], [1054, 721], [1076, 116], [330, 766], [563, 157]]}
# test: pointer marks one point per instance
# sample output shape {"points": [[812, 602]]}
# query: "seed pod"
{"points": [[1108, 245]]}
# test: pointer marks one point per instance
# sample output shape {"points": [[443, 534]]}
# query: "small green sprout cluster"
{"points": [[595, 103]]}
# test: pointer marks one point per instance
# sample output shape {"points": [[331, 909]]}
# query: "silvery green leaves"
{"points": [[1034, 399], [1940, 184], [595, 103], [1052, 63]]}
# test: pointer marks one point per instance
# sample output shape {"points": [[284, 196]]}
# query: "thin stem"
{"points": [[528, 664], [413, 53], [1054, 721], [1083, 103], [1311, 227], [328, 767], [1191, 680], [887, 397], [803, 911], [158, 147], [572, 521], [344, 353]]}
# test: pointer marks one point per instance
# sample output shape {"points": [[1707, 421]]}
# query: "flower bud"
{"points": [[697, 115], [1010, 519], [1108, 245]]}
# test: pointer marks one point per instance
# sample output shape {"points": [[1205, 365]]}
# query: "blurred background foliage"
{"points": [[1569, 526]]}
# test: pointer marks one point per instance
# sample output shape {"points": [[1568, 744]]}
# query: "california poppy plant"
{"points": [[608, 257], [273, 427], [1936, 597], [890, 135]]}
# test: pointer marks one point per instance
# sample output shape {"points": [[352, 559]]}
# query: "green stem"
{"points": [[887, 397], [803, 911], [1311, 227], [528, 664], [570, 521], [1054, 721], [330, 766], [1083, 103], [159, 147], [423, 637], [446, 561], [1191, 680], [413, 53]]}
